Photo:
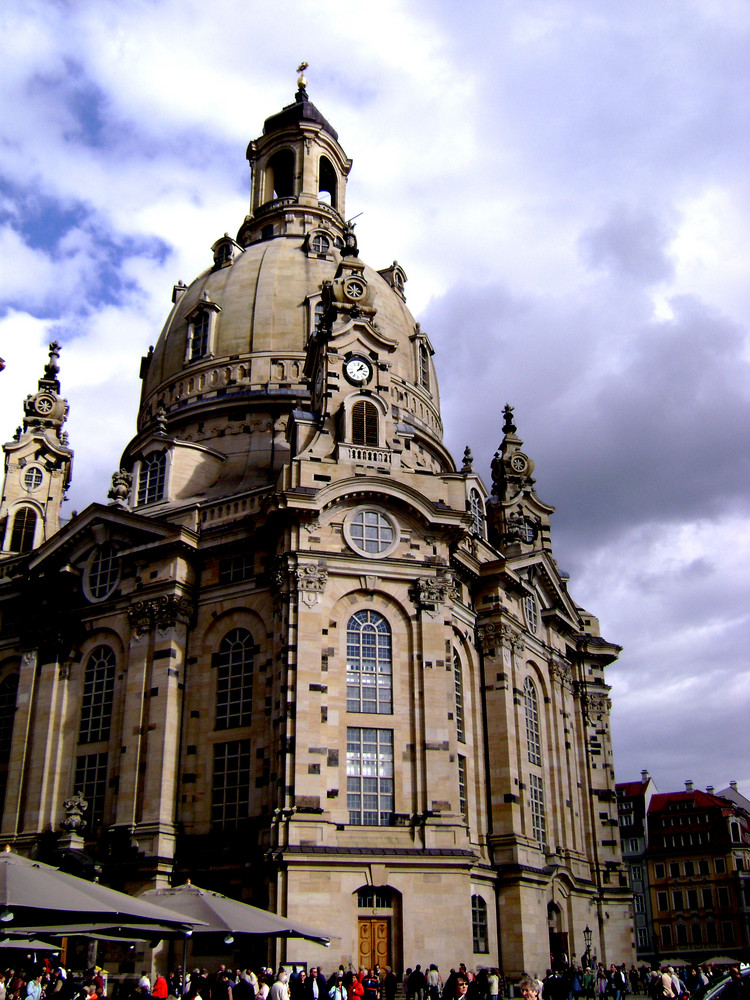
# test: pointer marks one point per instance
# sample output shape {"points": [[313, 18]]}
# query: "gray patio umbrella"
{"points": [[35, 897], [27, 944], [219, 914]]}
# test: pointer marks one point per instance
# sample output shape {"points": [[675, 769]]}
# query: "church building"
{"points": [[301, 655]]}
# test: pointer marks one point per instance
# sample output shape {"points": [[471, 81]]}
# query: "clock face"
{"points": [[518, 463], [358, 370], [354, 289], [44, 405]]}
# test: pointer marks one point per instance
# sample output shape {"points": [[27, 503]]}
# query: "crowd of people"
{"points": [[572, 983]]}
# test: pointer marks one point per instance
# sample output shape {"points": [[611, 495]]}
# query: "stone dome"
{"points": [[232, 380], [264, 312]]}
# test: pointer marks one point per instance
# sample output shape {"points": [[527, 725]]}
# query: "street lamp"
{"points": [[587, 932]]}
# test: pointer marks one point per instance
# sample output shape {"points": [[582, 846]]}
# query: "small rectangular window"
{"points": [[659, 870], [674, 869], [662, 903]]}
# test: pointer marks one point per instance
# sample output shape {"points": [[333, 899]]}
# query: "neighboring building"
{"points": [[633, 799], [693, 869], [302, 657]]}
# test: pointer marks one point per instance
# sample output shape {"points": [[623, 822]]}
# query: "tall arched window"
{"points": [[98, 693], [280, 175], [369, 672], [364, 423], [477, 513], [327, 182], [152, 478], [24, 527], [458, 687], [8, 692], [531, 610], [234, 681], [533, 739], [479, 925]]}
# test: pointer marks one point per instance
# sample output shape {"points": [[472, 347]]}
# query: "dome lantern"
{"points": [[299, 173]]}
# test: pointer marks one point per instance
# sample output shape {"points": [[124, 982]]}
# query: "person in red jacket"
{"points": [[161, 989]]}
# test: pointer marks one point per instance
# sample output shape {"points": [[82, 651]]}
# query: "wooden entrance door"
{"points": [[374, 942]]}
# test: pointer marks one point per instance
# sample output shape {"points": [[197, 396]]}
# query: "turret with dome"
{"points": [[301, 657]]}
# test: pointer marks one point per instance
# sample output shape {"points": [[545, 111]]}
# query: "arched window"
{"points": [[8, 692], [24, 528], [98, 692], [479, 925], [327, 182], [458, 687], [369, 672], [477, 513], [198, 331], [152, 477], [234, 681], [424, 366], [281, 174], [531, 705], [364, 423]]}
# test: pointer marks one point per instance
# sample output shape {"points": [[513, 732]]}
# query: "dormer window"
{"points": [[200, 332], [224, 251], [396, 277], [424, 366], [320, 243], [198, 336], [152, 477], [422, 354]]}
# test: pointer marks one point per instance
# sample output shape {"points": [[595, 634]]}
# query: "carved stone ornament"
{"points": [[431, 591], [161, 612], [311, 582], [562, 673], [599, 704], [121, 484], [495, 634], [74, 808]]}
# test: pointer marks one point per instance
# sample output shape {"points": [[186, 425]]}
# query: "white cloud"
{"points": [[492, 142]]}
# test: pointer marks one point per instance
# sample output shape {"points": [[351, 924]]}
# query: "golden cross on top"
{"points": [[302, 82]]}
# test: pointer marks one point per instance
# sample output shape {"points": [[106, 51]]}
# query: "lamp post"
{"points": [[587, 932]]}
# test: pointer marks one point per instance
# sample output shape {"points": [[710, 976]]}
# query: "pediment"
{"points": [[539, 569], [96, 525]]}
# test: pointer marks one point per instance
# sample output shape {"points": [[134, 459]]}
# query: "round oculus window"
{"points": [[32, 479], [371, 532], [354, 289]]}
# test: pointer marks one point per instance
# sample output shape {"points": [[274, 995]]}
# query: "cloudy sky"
{"points": [[565, 183]]}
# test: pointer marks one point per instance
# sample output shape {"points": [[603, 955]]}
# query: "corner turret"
{"points": [[38, 466], [518, 520]]}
